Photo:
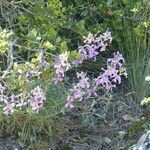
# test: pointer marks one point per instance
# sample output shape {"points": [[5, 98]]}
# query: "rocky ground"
{"points": [[121, 127]]}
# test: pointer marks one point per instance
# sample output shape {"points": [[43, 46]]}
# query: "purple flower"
{"points": [[59, 70], [93, 45], [36, 99], [69, 103], [20, 103], [2, 89], [83, 80], [36, 103], [84, 83], [89, 39], [107, 36], [116, 61], [9, 108], [57, 80], [80, 88], [111, 76], [92, 91], [61, 65], [107, 77], [78, 94], [77, 62], [83, 52], [92, 53], [103, 47], [104, 81]]}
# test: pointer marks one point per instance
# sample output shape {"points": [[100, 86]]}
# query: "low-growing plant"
{"points": [[24, 86], [110, 77]]}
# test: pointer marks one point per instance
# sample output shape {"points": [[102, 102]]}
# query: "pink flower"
{"points": [[89, 39], [77, 62], [92, 91], [78, 94], [107, 36], [83, 52], [21, 101], [116, 61], [2, 88], [69, 102], [61, 65], [94, 44], [57, 79], [36, 99], [9, 108]]}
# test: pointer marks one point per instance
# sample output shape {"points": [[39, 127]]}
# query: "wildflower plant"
{"points": [[10, 102], [109, 78], [22, 89]]}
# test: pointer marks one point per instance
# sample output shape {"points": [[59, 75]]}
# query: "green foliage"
{"points": [[146, 100], [133, 40], [44, 20], [4, 40], [58, 26]]}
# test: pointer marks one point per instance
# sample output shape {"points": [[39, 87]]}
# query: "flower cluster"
{"points": [[93, 45], [112, 75], [109, 78], [61, 65], [9, 104], [25, 73], [79, 89], [35, 99]]}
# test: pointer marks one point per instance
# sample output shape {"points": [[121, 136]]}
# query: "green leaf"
{"points": [[74, 55], [30, 85], [58, 40], [63, 47], [49, 46], [32, 34]]}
